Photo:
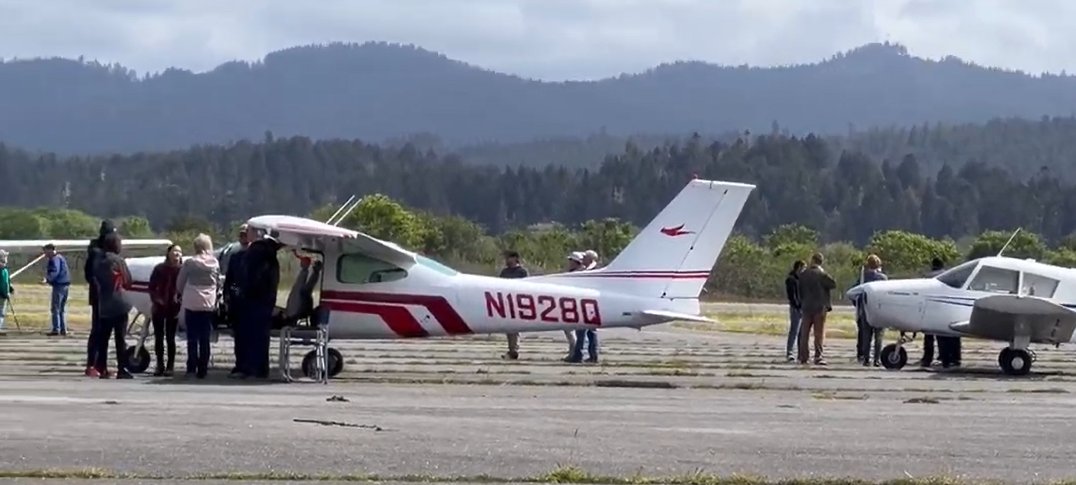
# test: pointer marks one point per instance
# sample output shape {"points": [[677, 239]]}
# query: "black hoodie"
{"points": [[792, 289], [92, 253], [261, 273]]}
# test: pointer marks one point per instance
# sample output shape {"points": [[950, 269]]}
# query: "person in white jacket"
{"points": [[197, 284]]}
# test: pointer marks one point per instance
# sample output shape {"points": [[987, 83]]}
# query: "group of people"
{"points": [[808, 289], [193, 287], [576, 339]]}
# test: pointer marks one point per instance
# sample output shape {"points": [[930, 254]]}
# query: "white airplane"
{"points": [[374, 289], [996, 298]]}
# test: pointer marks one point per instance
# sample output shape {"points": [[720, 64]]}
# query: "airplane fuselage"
{"points": [[453, 303], [937, 305]]}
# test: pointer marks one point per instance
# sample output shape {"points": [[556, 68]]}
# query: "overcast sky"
{"points": [[547, 39]]}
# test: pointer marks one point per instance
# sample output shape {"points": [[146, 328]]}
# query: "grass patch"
{"points": [[833, 396], [1050, 390], [559, 475], [922, 400], [837, 325]]}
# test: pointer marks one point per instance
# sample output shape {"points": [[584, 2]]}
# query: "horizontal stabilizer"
{"points": [[665, 315]]}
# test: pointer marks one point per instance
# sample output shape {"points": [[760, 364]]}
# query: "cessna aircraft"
{"points": [[997, 298], [374, 289]]}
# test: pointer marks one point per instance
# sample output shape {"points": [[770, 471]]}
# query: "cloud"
{"points": [[547, 39]]}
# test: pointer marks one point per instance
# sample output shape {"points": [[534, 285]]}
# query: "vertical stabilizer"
{"points": [[673, 256]]}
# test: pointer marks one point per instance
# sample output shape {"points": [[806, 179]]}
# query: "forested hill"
{"points": [[1024, 147], [844, 195], [376, 91]]}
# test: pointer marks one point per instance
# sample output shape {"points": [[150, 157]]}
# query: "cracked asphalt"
{"points": [[665, 401]]}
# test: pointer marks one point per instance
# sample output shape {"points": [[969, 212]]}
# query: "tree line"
{"points": [[843, 194], [749, 268]]}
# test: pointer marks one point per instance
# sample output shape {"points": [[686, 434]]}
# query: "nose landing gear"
{"points": [[894, 356]]}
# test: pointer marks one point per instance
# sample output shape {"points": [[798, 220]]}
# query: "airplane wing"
{"points": [[302, 232], [1000, 317], [34, 245]]}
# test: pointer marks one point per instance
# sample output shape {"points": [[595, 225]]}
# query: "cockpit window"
{"points": [[956, 277], [1041, 286], [996, 280]]}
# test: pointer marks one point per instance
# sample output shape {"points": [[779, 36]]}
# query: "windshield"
{"points": [[956, 277], [434, 265]]}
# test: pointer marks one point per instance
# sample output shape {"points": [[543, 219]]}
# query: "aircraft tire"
{"points": [[138, 363], [894, 357], [336, 363], [1014, 362]]}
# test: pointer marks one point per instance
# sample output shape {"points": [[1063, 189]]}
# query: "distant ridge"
{"points": [[376, 91]]}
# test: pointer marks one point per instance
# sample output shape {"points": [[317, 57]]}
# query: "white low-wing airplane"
{"points": [[374, 289], [996, 298]]}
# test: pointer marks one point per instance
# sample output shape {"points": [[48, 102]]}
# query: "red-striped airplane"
{"points": [[374, 289]]}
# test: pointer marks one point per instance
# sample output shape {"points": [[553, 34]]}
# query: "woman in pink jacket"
{"points": [[197, 284]]}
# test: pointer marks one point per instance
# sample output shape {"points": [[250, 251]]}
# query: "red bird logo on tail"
{"points": [[675, 231]]}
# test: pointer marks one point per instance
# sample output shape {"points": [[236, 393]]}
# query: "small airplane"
{"points": [[996, 298], [374, 289]]}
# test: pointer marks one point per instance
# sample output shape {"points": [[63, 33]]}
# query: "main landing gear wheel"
{"points": [[137, 363], [894, 357], [1014, 362], [335, 358]]}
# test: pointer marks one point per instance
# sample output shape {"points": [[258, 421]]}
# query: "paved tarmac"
{"points": [[665, 401]]}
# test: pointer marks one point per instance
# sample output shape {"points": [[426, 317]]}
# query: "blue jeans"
{"points": [[794, 317], [199, 328], [58, 308], [591, 337]]}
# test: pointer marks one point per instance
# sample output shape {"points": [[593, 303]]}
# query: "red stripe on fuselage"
{"points": [[438, 306], [398, 318]]}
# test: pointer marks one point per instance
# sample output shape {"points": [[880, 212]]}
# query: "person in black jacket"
{"points": [[792, 291], [260, 282], [233, 299], [937, 267], [93, 253]]}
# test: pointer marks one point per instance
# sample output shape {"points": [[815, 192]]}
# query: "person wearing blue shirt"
{"points": [[58, 277]]}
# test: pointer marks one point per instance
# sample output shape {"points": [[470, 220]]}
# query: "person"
{"points": [[93, 253], [815, 287], [197, 284], [112, 280], [865, 333], [5, 287], [792, 292], [261, 277], [57, 276], [590, 259], [575, 263], [937, 267], [233, 301], [513, 269], [165, 308]]}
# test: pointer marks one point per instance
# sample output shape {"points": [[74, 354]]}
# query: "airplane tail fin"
{"points": [[673, 256]]}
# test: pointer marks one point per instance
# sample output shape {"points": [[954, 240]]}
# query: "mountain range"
{"points": [[379, 91]]}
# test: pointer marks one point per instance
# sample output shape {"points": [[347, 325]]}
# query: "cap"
{"points": [[576, 256]]}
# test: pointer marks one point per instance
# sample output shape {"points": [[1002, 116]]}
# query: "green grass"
{"points": [[838, 325]]}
